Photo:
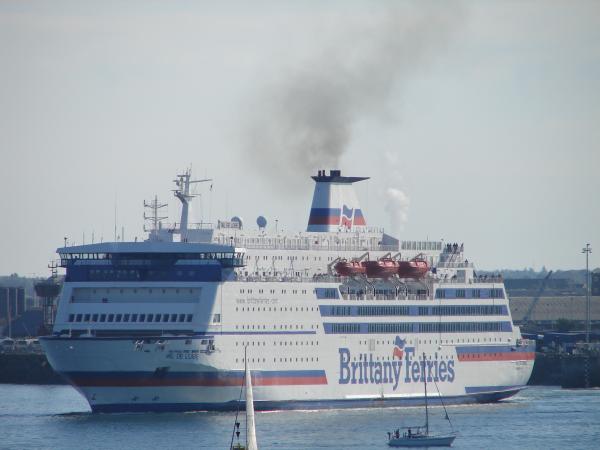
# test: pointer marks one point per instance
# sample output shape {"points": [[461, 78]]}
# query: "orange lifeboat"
{"points": [[351, 268], [416, 268], [382, 268]]}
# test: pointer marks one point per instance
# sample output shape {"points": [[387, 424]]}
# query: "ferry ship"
{"points": [[340, 315]]}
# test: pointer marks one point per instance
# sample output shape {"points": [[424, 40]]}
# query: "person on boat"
{"points": [[409, 433], [389, 436]]}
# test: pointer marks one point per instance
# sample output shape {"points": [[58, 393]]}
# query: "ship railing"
{"points": [[386, 297], [305, 246], [475, 280], [174, 226], [288, 278], [421, 245], [454, 265], [486, 280], [320, 277]]}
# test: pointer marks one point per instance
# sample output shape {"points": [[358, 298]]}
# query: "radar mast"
{"points": [[183, 182]]}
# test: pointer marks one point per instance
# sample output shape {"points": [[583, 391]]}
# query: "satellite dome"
{"points": [[261, 222], [238, 220]]}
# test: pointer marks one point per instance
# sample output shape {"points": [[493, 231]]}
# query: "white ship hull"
{"points": [[292, 368]]}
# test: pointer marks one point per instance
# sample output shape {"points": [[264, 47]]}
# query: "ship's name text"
{"points": [[409, 369]]}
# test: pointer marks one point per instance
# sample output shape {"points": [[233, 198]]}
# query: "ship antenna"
{"points": [[153, 206], [115, 217]]}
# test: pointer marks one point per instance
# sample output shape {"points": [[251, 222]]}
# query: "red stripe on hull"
{"points": [[292, 381], [512, 356], [141, 382]]}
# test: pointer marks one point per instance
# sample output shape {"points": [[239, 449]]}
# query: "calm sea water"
{"points": [[56, 417]]}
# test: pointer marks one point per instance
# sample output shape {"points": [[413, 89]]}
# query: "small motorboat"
{"points": [[350, 268], [381, 268], [420, 436], [415, 268]]}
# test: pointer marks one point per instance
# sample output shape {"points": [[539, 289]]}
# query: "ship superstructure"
{"points": [[163, 324]]}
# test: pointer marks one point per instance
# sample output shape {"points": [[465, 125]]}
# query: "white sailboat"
{"points": [[251, 443], [420, 436]]}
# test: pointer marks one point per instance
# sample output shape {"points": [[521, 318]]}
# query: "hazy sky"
{"points": [[481, 120]]}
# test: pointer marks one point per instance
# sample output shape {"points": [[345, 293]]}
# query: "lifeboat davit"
{"points": [[351, 268], [382, 268], [416, 268]]}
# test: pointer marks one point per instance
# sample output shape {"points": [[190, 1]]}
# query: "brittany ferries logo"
{"points": [[398, 346], [347, 215], [404, 366]]}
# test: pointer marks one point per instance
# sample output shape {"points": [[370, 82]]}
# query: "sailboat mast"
{"points": [[251, 443], [425, 382], [246, 383]]}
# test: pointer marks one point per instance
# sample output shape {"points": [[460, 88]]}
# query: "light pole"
{"points": [[8, 313], [587, 250]]}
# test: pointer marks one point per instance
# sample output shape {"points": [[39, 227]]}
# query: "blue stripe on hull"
{"points": [[487, 397]]}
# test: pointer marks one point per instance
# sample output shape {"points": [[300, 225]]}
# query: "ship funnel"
{"points": [[335, 204]]}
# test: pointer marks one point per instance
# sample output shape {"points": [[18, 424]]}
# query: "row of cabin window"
{"points": [[313, 359], [131, 318], [271, 291], [463, 310], [281, 343], [289, 258], [435, 327], [268, 273], [142, 290], [466, 310], [435, 341], [457, 327], [281, 327], [274, 309], [102, 274]]}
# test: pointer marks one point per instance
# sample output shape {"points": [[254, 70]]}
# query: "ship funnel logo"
{"points": [[347, 217], [335, 205]]}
